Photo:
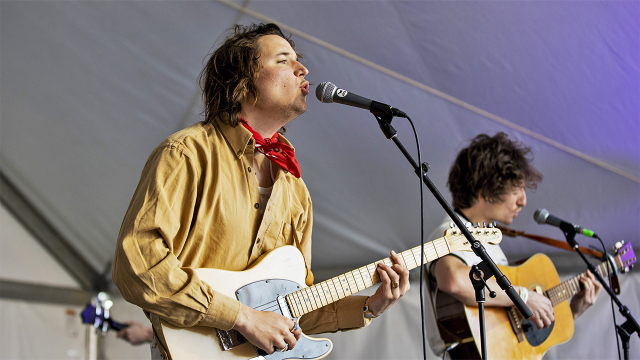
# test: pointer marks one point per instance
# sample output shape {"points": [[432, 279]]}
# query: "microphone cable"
{"points": [[424, 344]]}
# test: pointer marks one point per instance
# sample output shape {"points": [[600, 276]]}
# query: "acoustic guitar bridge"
{"points": [[515, 319]]}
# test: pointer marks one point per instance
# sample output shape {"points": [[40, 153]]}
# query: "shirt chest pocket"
{"points": [[280, 231]]}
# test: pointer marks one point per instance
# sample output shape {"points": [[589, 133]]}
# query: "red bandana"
{"points": [[280, 153]]}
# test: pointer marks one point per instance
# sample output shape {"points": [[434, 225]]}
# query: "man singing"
{"points": [[227, 190]]}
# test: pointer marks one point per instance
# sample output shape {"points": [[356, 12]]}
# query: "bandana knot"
{"points": [[280, 153]]}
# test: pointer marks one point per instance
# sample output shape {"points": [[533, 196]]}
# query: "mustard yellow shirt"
{"points": [[197, 205]]}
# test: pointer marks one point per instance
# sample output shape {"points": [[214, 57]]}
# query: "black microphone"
{"points": [[542, 216], [326, 92]]}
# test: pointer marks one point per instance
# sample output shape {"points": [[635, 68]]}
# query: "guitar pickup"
{"points": [[230, 339]]}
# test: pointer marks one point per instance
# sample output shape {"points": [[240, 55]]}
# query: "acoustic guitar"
{"points": [[276, 282], [508, 334]]}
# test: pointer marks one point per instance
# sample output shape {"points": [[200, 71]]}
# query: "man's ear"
{"points": [[247, 98]]}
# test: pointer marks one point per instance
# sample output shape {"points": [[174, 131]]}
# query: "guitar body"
{"points": [[537, 274], [277, 273]]}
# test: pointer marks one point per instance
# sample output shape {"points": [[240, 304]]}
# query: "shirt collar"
{"points": [[240, 138]]}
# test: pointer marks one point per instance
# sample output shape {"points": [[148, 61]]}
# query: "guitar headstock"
{"points": [[625, 256], [485, 234], [97, 313]]}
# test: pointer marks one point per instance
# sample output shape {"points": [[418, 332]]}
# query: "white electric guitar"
{"points": [[276, 282]]}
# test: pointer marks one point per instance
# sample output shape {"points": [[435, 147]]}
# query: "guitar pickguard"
{"points": [[536, 336], [263, 295]]}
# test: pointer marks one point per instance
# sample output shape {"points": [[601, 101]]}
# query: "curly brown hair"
{"points": [[491, 166], [231, 71]]}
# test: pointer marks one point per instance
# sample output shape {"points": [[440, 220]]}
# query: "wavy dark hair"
{"points": [[231, 71], [491, 166]]}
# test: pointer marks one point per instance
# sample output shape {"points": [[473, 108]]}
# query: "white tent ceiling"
{"points": [[89, 88]]}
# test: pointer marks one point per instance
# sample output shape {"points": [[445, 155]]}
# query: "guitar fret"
{"points": [[441, 248], [304, 301], [366, 276], [295, 304], [412, 262], [429, 252], [352, 282], [320, 296], [317, 297], [327, 291], [357, 280], [404, 260], [336, 285], [309, 301], [363, 279], [315, 304]]}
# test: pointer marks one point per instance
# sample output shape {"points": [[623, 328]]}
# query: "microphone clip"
{"points": [[570, 234], [384, 120]]}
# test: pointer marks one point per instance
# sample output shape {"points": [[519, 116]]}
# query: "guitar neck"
{"points": [[567, 289], [329, 291]]}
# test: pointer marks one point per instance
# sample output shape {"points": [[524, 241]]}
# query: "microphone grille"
{"points": [[324, 92], [540, 216]]}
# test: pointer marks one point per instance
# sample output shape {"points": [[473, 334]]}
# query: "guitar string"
{"points": [[351, 279]]}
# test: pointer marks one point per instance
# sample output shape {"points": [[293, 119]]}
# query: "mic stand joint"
{"points": [[478, 280]]}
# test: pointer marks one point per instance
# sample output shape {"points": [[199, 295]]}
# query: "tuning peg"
{"points": [[618, 245], [468, 225], [452, 225]]}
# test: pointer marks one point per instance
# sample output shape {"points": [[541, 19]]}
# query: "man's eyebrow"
{"points": [[288, 53]]}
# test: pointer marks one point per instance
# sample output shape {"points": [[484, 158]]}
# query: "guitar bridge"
{"points": [[515, 319], [230, 339]]}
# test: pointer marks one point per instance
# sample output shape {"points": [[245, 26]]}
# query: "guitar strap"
{"points": [[545, 240]]}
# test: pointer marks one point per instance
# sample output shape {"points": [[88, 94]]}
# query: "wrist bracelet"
{"points": [[524, 294], [367, 313]]}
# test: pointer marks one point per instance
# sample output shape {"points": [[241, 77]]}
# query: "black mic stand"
{"points": [[630, 326], [478, 275], [384, 116]]}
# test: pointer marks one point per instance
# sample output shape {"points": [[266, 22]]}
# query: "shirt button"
{"points": [[256, 205], [249, 168]]}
